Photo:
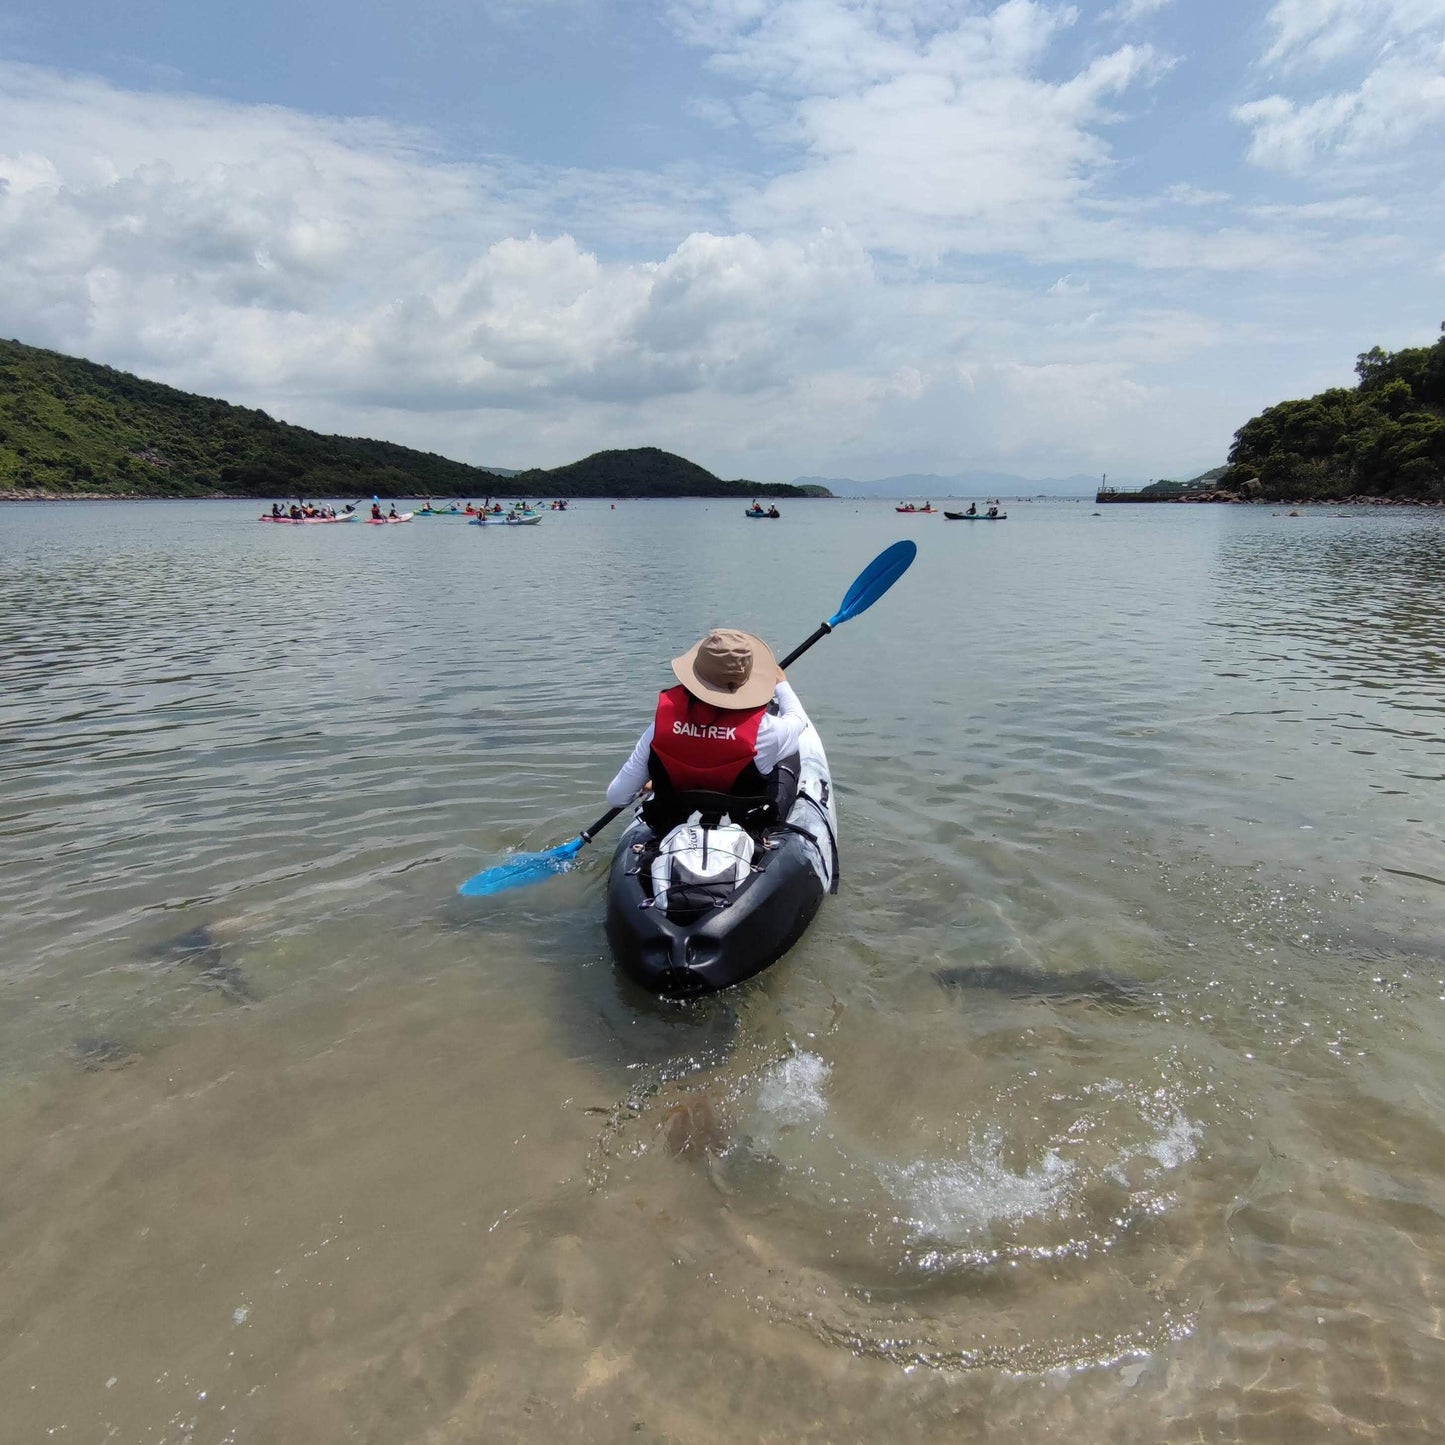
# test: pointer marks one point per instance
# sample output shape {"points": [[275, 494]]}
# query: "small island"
{"points": [[72, 428]]}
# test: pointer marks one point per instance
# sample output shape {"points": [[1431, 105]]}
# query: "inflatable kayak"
{"points": [[384, 521], [717, 899]]}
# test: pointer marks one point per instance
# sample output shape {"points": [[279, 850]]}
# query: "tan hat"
{"points": [[729, 668]]}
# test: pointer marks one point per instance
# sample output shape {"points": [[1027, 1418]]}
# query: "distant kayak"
{"points": [[915, 509], [383, 521], [975, 517], [308, 521], [773, 515], [529, 520]]}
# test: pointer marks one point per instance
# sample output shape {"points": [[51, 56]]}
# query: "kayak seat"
{"points": [[755, 811]]}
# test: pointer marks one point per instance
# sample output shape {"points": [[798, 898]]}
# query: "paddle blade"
{"points": [[880, 574], [520, 870]]}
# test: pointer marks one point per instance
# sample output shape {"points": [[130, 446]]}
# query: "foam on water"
{"points": [[953, 1199], [791, 1091]]}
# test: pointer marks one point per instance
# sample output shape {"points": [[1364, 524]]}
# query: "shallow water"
{"points": [[1104, 1099]]}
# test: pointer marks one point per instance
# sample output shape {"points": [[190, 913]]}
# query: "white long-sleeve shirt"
{"points": [[777, 737]]}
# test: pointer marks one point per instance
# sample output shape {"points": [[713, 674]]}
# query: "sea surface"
{"points": [[1105, 1102]]}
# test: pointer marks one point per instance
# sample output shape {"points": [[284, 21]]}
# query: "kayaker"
{"points": [[391, 513], [276, 509], [972, 510], [376, 511], [774, 512], [992, 512], [716, 732]]}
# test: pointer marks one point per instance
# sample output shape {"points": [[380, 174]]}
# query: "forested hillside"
{"points": [[68, 426], [72, 428], [1384, 437]]}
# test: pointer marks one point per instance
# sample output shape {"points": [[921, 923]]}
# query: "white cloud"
{"points": [[714, 112], [1392, 50], [1399, 100], [921, 129], [1345, 208], [1132, 12], [532, 321], [274, 257], [1311, 34], [1184, 194]]}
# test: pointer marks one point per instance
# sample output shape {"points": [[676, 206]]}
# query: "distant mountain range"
{"points": [[928, 485]]}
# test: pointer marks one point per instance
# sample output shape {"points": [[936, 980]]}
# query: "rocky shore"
{"points": [[1251, 494]]}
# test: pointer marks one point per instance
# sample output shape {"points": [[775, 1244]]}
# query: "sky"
{"points": [[847, 238]]}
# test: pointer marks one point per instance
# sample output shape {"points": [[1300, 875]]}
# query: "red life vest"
{"points": [[701, 746]]}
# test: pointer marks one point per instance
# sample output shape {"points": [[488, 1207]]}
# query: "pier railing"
{"points": [[1137, 494]]}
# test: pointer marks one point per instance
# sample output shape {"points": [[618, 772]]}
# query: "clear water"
{"points": [[1106, 1098]]}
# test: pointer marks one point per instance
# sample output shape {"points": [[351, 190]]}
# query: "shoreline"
{"points": [[1357, 501], [32, 496], [1216, 500]]}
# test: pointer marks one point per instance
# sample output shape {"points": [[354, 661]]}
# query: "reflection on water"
{"points": [[1361, 614], [1104, 1098]]}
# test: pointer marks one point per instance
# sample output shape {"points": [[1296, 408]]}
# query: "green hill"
{"points": [[1384, 437], [645, 472], [72, 428]]}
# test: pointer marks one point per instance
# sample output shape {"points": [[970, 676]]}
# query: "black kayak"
{"points": [[715, 901]]}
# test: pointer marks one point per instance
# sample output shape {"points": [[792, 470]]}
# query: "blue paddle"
{"points": [[523, 868]]}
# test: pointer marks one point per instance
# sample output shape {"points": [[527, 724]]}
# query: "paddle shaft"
{"points": [[823, 630], [588, 834]]}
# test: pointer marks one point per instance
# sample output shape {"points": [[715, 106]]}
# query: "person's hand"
{"points": [[782, 676]]}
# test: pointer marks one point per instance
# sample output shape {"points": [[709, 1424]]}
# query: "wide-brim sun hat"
{"points": [[729, 669]]}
